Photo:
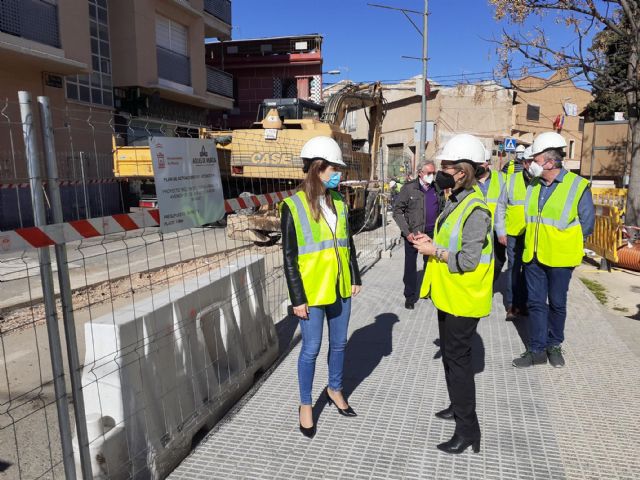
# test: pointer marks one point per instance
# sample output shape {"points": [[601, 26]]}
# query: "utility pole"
{"points": [[423, 33], [423, 109]]}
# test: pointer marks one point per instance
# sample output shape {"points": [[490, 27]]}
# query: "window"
{"points": [[350, 122], [533, 113], [172, 36], [96, 88], [572, 146], [581, 124]]}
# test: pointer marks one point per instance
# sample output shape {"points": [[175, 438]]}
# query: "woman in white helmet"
{"points": [[321, 271], [459, 280]]}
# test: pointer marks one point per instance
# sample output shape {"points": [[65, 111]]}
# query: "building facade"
{"points": [[487, 110], [483, 110], [606, 152], [112, 69], [546, 104], [277, 67]]}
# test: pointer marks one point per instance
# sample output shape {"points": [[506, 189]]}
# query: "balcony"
{"points": [[35, 20], [173, 66], [219, 82], [220, 9]]}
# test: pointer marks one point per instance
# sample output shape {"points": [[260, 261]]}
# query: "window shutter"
{"points": [[179, 39], [163, 32]]}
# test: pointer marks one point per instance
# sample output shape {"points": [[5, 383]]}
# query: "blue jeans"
{"points": [[515, 293], [546, 322], [338, 319]]}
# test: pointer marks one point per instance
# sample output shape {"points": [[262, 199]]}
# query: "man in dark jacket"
{"points": [[415, 211]]}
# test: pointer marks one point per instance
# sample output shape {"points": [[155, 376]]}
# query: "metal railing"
{"points": [[219, 82], [35, 20], [220, 9], [173, 66]]}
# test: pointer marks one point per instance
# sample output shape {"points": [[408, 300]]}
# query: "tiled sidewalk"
{"points": [[580, 422]]}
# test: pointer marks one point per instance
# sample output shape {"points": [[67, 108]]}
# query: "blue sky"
{"points": [[367, 43]]}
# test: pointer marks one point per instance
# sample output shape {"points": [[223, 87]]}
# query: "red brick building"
{"points": [[278, 67]]}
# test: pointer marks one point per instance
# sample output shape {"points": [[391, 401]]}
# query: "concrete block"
{"points": [[162, 369]]}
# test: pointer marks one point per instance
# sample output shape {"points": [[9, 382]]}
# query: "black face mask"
{"points": [[445, 180]]}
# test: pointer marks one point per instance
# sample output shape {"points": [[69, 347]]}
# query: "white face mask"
{"points": [[535, 169], [427, 179]]}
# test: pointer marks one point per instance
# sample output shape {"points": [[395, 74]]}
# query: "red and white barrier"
{"points": [[56, 234]]}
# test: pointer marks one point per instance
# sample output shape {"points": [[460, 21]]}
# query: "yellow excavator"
{"points": [[266, 157]]}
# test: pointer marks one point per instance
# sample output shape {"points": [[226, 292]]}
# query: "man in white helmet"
{"points": [[491, 184], [559, 214], [510, 228], [514, 165]]}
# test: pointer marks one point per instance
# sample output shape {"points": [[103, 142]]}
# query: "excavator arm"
{"points": [[354, 97]]}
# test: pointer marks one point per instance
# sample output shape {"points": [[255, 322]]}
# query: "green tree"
{"points": [[614, 55], [619, 19]]}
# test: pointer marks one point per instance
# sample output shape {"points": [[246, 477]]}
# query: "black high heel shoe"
{"points": [[347, 412], [458, 444], [308, 432]]}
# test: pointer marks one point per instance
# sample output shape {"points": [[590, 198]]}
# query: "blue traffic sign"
{"points": [[510, 144]]}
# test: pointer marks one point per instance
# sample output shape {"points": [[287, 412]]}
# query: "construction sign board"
{"points": [[188, 184]]}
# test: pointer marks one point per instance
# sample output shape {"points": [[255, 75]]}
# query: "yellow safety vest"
{"points": [[323, 257], [554, 234], [466, 294], [511, 167], [496, 184], [516, 194]]}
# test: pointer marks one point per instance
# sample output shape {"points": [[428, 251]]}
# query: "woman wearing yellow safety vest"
{"points": [[459, 280], [321, 270]]}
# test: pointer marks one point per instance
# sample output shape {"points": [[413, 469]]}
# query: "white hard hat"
{"points": [[325, 148], [520, 149], [463, 147], [527, 155], [546, 141]]}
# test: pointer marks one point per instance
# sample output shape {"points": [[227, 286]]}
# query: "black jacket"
{"points": [[408, 208], [290, 254]]}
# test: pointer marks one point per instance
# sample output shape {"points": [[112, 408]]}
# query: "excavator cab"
{"points": [[290, 109]]}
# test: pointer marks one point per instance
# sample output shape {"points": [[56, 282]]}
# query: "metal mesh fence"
{"points": [[170, 329]]}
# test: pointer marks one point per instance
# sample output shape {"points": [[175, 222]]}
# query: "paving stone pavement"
{"points": [[580, 422]]}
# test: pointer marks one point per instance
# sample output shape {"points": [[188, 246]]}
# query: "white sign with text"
{"points": [[188, 184]]}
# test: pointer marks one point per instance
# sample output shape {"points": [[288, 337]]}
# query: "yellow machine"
{"points": [[133, 165], [267, 156]]}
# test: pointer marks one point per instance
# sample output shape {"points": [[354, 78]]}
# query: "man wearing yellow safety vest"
{"points": [[491, 184], [510, 230], [559, 214], [515, 165], [459, 280]]}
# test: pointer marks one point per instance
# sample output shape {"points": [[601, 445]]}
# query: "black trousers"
{"points": [[455, 343], [499, 257], [410, 277]]}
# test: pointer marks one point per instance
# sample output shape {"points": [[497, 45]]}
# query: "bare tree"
{"points": [[581, 58]]}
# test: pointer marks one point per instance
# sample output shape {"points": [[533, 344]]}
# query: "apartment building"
{"points": [[131, 67], [274, 67], [159, 71]]}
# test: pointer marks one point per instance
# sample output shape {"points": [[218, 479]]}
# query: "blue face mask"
{"points": [[333, 181]]}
